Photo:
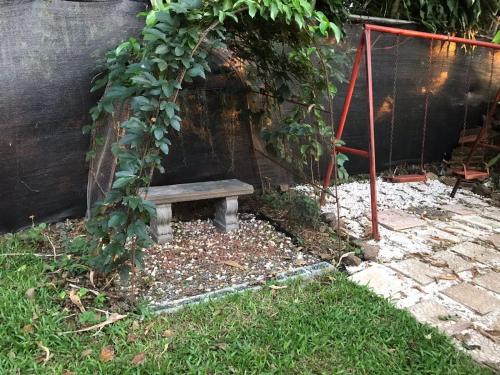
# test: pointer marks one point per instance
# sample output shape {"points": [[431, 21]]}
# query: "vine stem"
{"points": [[334, 155], [182, 74], [179, 80]]}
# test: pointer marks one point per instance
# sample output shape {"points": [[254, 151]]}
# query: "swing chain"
{"points": [[426, 105], [489, 94], [466, 97], [394, 93]]}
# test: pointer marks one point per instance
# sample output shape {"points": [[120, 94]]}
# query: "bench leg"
{"points": [[161, 230], [226, 214]]}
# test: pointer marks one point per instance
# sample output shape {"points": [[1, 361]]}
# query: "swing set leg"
{"points": [[455, 188]]}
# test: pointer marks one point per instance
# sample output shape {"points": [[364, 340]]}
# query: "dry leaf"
{"points": [[494, 332], [46, 357], [493, 335], [131, 337], [438, 263], [28, 328], [139, 359], [86, 353], [30, 293], [76, 300], [475, 272], [168, 333], [300, 262], [148, 327], [234, 264], [417, 287], [325, 256], [451, 276], [107, 353], [135, 325], [278, 286], [462, 337], [91, 277], [471, 346], [114, 317], [68, 373], [220, 346]]}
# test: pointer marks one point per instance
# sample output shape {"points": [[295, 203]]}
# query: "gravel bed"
{"points": [[202, 259], [354, 200]]}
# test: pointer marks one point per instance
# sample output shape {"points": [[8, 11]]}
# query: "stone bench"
{"points": [[226, 191]]}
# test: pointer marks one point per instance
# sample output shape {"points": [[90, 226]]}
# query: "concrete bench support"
{"points": [[226, 212], [161, 230]]}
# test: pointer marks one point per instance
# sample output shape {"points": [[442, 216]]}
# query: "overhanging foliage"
{"points": [[445, 16], [279, 42]]}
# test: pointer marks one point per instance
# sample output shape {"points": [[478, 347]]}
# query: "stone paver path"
{"points": [[439, 258]]}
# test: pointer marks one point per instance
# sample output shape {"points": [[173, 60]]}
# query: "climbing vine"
{"points": [[281, 46]]}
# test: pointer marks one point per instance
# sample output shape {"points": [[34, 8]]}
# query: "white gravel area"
{"points": [[354, 200]]}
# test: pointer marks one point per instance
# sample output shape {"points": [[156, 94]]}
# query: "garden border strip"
{"points": [[306, 272]]}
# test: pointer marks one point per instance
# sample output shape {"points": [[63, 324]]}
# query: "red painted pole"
{"points": [[423, 35], [353, 151], [371, 147], [343, 117], [352, 84]]}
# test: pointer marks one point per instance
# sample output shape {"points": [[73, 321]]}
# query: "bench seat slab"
{"points": [[197, 191]]}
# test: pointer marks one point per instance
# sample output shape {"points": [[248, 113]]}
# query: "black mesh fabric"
{"points": [[49, 52], [48, 59]]}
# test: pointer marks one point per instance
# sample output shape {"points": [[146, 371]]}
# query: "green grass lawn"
{"points": [[326, 326]]}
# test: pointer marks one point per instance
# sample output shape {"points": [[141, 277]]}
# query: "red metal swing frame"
{"points": [[366, 48]]}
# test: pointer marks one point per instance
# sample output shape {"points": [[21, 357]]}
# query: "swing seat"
{"points": [[406, 178], [471, 174]]}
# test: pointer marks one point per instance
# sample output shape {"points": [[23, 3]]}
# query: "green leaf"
{"points": [[222, 15], [158, 133], [167, 89], [164, 148], [196, 71], [122, 47], [149, 207], [336, 30], [161, 49], [299, 20], [125, 174], [121, 182], [90, 155], [496, 39], [169, 108], [99, 84], [179, 51], [87, 129], [118, 92], [274, 11], [323, 26], [252, 9], [174, 123], [117, 218], [162, 64], [107, 105]]}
